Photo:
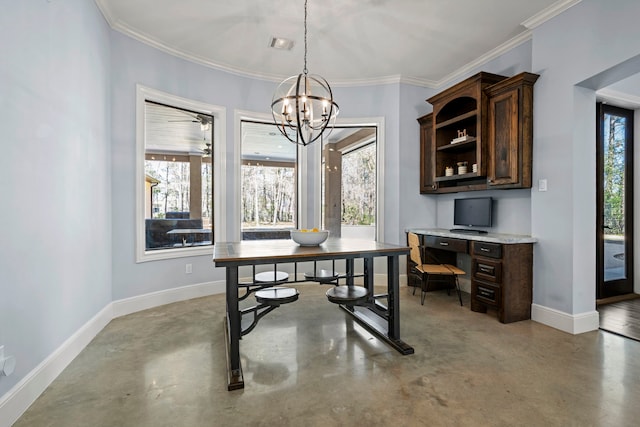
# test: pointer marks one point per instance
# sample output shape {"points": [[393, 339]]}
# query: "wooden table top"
{"points": [[269, 251]]}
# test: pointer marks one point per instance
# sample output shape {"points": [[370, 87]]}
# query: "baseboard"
{"points": [[17, 400], [155, 299], [571, 323]]}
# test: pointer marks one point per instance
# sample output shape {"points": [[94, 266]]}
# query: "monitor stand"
{"points": [[467, 231]]}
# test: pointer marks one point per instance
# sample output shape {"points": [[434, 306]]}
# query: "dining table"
{"points": [[380, 314]]}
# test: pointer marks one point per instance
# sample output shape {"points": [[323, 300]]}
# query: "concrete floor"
{"points": [[307, 364]]}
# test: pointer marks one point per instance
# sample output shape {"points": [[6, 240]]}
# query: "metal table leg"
{"points": [[235, 378]]}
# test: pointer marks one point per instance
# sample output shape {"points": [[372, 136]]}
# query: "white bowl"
{"points": [[309, 238]]}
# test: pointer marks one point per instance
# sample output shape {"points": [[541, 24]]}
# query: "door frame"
{"points": [[620, 286]]}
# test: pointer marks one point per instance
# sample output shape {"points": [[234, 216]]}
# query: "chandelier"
{"points": [[303, 105]]}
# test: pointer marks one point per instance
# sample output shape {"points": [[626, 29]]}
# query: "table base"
{"points": [[378, 326], [235, 379]]}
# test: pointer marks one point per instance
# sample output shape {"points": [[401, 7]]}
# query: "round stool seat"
{"points": [[271, 277], [276, 296], [321, 275], [346, 294]]}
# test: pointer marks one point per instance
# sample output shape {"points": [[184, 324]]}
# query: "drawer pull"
{"points": [[444, 244], [485, 250], [488, 270], [487, 293]]}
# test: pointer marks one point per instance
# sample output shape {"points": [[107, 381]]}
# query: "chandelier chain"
{"points": [[305, 38]]}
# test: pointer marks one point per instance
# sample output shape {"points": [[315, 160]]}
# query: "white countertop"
{"points": [[507, 239]]}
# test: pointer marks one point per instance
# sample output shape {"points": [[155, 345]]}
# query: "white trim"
{"points": [[554, 10], [489, 56], [219, 171], [17, 400], [571, 323], [156, 299]]}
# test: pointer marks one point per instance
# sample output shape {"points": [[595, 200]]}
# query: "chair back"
{"points": [[414, 246]]}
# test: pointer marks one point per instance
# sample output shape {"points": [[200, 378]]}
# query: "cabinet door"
{"points": [[427, 156], [504, 139]]}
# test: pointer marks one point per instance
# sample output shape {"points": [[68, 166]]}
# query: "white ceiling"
{"points": [[350, 42]]}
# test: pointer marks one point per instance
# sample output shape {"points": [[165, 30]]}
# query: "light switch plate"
{"points": [[542, 185]]}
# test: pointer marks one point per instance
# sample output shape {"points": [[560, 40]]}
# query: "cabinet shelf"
{"points": [[457, 119], [469, 144], [458, 177]]}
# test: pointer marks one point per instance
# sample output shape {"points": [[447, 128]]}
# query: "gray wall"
{"points": [[67, 119], [588, 39], [55, 168]]}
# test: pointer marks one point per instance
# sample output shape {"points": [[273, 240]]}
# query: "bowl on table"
{"points": [[309, 237]]}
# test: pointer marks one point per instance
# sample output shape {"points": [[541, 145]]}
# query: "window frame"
{"points": [[378, 123], [218, 113], [296, 168], [301, 180]]}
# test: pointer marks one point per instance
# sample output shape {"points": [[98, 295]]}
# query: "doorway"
{"points": [[614, 198]]}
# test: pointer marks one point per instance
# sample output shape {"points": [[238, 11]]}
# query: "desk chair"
{"points": [[426, 272]]}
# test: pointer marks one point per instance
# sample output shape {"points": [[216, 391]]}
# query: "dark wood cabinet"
{"points": [[502, 279], [486, 121], [427, 160], [510, 132]]}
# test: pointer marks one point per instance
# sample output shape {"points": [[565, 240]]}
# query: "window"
{"points": [[176, 146], [349, 182], [268, 182]]}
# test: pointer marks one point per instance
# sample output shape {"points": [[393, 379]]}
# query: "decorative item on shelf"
{"points": [[303, 105], [462, 168], [448, 171], [474, 167], [462, 136]]}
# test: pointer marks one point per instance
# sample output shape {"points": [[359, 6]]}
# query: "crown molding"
{"points": [[548, 13], [489, 56]]}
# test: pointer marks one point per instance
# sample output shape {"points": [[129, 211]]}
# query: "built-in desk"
{"points": [[501, 268]]}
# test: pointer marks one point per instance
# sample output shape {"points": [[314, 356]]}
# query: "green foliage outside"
{"points": [[614, 170], [359, 186]]}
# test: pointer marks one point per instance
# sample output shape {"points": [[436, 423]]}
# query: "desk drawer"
{"points": [[491, 250], [446, 243], [486, 293], [487, 269]]}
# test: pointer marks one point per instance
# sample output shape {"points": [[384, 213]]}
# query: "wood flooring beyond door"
{"points": [[621, 317]]}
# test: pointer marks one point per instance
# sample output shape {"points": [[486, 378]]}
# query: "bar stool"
{"points": [[322, 276], [276, 296], [348, 295], [271, 276]]}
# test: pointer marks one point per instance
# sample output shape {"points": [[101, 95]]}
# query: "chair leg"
{"points": [[458, 290], [423, 289]]}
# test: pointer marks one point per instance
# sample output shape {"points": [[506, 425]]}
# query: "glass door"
{"points": [[614, 195]]}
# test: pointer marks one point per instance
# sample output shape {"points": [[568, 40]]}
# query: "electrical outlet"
{"points": [[7, 364], [188, 269]]}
